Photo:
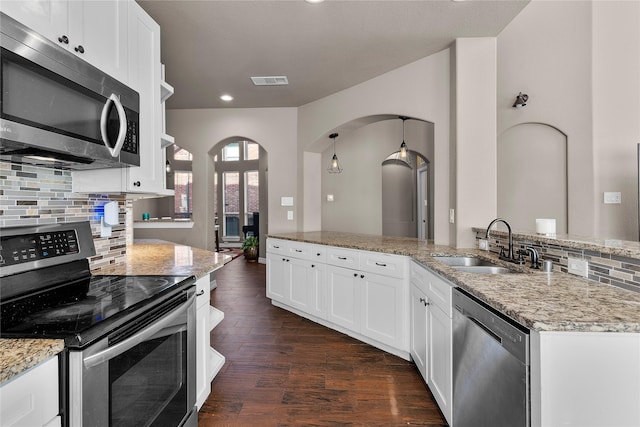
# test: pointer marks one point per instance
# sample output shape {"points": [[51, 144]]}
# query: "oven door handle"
{"points": [[138, 338]]}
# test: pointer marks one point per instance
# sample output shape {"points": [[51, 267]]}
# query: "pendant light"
{"points": [[403, 147], [334, 166]]}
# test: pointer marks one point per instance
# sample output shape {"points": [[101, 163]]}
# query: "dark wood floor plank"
{"points": [[284, 370]]}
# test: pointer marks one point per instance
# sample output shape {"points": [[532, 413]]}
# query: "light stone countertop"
{"points": [[144, 257], [541, 301], [162, 258], [18, 355]]}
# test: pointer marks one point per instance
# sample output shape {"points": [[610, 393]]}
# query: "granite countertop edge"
{"points": [[541, 301], [19, 355]]}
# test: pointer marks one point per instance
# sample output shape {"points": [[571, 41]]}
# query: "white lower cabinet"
{"points": [[31, 399], [419, 330], [208, 360], [306, 286], [366, 303], [344, 297], [432, 334], [361, 293]]}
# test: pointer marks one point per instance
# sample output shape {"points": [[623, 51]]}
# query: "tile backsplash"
{"points": [[32, 195], [620, 271]]}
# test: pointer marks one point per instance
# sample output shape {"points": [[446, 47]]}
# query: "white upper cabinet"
{"points": [[94, 30], [144, 77]]}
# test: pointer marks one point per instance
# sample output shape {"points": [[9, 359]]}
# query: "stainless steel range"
{"points": [[129, 356]]}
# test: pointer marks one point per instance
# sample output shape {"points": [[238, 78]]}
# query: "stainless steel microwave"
{"points": [[59, 111]]}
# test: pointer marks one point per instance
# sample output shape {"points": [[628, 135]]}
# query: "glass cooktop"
{"points": [[70, 310]]}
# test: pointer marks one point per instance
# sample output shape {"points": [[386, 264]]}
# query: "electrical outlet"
{"points": [[579, 267], [290, 215], [483, 244]]}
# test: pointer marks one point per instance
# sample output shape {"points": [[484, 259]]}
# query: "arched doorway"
{"points": [[239, 191], [406, 197]]}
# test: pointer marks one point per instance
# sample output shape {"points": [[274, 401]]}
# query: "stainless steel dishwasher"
{"points": [[490, 367]]}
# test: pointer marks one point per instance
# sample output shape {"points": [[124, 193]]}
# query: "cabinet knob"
{"points": [[136, 184], [355, 274], [63, 39], [362, 276], [79, 49], [312, 265], [318, 254]]}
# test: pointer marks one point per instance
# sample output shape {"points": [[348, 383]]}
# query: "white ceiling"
{"points": [[211, 47]]}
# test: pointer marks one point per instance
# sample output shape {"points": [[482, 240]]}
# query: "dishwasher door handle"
{"points": [[485, 328]]}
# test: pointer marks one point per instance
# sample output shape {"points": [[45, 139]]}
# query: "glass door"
{"points": [[231, 205]]}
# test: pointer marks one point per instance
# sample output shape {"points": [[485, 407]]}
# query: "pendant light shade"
{"points": [[403, 147], [334, 166]]}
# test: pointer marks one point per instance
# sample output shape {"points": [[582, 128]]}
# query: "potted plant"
{"points": [[250, 248]]}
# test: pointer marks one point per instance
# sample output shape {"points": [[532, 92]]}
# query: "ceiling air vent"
{"points": [[270, 81]]}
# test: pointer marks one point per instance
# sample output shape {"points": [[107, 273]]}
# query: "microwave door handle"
{"points": [[122, 118], [138, 338]]}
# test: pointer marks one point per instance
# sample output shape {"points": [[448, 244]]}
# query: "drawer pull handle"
{"points": [[298, 250], [318, 254], [380, 264], [342, 258], [276, 247], [200, 293]]}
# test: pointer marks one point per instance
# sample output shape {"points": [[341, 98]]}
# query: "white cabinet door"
{"points": [[50, 18], [306, 286], [344, 290], [145, 70], [31, 399], [382, 309], [203, 343], [419, 330], [95, 31], [277, 280], [99, 33], [439, 358]]}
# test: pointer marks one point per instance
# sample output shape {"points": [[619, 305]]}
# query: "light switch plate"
{"points": [[579, 267], [612, 197], [452, 216], [290, 215]]}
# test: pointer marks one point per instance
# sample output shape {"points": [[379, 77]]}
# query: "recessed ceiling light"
{"points": [[226, 97]]}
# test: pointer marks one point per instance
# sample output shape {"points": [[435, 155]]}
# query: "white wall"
{"points": [[357, 191], [616, 115], [475, 124], [419, 90], [273, 128], [579, 63]]}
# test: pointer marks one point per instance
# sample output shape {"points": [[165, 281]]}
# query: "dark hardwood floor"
{"points": [[284, 370]]}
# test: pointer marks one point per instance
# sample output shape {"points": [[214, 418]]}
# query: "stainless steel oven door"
{"points": [[140, 375]]}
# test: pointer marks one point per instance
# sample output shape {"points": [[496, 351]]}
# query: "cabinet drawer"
{"points": [[439, 292], [319, 253], [300, 250], [385, 264], [277, 246], [343, 257]]}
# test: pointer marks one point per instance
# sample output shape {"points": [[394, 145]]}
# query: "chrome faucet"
{"points": [[510, 257]]}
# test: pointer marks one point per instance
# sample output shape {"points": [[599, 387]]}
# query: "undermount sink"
{"points": [[484, 269], [469, 264], [465, 261]]}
